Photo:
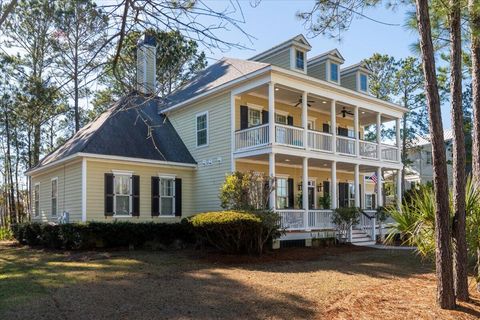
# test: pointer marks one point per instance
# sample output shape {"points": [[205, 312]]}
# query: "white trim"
{"points": [[284, 45], [329, 72], [122, 172], [254, 106], [200, 114], [293, 59], [360, 74], [282, 113], [130, 198], [232, 130], [84, 190], [167, 177], [35, 200], [51, 198]]}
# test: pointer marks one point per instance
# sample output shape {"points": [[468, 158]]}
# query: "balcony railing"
{"points": [[319, 141], [251, 137], [292, 219], [368, 149], [320, 219], [289, 135], [346, 145]]}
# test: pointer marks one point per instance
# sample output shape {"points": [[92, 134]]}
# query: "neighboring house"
{"points": [[300, 120], [420, 171]]}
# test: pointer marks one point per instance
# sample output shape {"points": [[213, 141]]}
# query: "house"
{"points": [[420, 171], [280, 112]]}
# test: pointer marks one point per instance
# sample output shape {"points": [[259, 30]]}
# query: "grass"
{"points": [[292, 283]]}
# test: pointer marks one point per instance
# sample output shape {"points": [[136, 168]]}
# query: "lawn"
{"points": [[335, 283]]}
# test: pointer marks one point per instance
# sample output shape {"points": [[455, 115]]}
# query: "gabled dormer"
{"points": [[326, 66], [356, 77], [291, 54]]}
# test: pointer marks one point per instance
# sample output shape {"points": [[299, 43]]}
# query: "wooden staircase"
{"points": [[361, 238]]}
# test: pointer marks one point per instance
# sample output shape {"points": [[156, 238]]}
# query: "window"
{"points": [[254, 117], [202, 129], [311, 124], [351, 195], [167, 196], [54, 196], [122, 199], [299, 59], [334, 72], [429, 157], [282, 193], [363, 82], [369, 201], [280, 118], [36, 197]]}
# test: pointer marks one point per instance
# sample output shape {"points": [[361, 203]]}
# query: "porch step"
{"points": [[361, 238], [364, 243]]}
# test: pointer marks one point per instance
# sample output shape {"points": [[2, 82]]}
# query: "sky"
{"points": [[273, 21]]}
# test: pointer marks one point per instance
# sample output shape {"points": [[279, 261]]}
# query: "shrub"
{"points": [[344, 219], [236, 231], [100, 234], [5, 234]]}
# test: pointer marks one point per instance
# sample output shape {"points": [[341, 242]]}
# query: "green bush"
{"points": [[99, 234], [5, 234], [236, 231], [344, 219]]}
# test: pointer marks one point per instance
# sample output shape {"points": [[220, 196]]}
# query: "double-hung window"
{"points": [[254, 117], [54, 194], [334, 72], [36, 199], [123, 194], [280, 118], [299, 59], [363, 82], [202, 129], [282, 193], [167, 196]]}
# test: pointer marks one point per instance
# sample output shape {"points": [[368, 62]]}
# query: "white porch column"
{"points": [[356, 128], [305, 192], [333, 186], [333, 125], [399, 141], [271, 173], [379, 136], [379, 187], [356, 182], [305, 118], [399, 188], [271, 112]]}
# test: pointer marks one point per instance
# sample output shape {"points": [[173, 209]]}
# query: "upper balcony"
{"points": [[278, 116]]}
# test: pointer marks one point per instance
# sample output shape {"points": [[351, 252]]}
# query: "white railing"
{"points": [[346, 145], [251, 137], [389, 153], [368, 223], [368, 149], [289, 135], [320, 219], [319, 141], [292, 219]]}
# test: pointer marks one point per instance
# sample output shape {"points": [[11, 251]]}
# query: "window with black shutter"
{"points": [[135, 196], [291, 197], [109, 194], [155, 205], [178, 197]]}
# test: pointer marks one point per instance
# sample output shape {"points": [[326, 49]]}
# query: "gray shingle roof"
{"points": [[222, 72], [130, 128]]}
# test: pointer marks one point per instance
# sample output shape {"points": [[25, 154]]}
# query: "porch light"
{"points": [[300, 185], [319, 187]]}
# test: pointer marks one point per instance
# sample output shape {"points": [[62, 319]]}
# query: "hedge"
{"points": [[236, 231], [104, 235]]}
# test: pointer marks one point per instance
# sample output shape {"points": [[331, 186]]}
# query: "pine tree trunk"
{"points": [[475, 50], [443, 251], [459, 160]]}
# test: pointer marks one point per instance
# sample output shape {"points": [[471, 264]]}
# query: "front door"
{"points": [[343, 192], [311, 198]]}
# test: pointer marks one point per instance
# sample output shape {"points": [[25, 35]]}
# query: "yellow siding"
{"points": [[296, 112], [319, 175], [96, 170], [213, 160], [281, 59], [69, 196], [349, 81], [318, 70]]}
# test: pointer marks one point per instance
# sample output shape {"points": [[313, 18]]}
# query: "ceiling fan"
{"points": [[300, 102], [344, 112]]}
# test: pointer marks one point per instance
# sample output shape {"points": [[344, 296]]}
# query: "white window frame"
{"points": [[371, 194], [281, 114], [360, 74], [330, 72], [259, 110], [304, 59], [130, 204], [169, 177], [311, 121], [284, 177], [51, 197], [198, 115], [36, 203]]}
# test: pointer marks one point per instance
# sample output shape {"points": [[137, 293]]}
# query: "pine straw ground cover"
{"points": [[332, 283]]}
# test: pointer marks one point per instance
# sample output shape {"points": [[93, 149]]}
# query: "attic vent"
{"points": [[146, 64]]}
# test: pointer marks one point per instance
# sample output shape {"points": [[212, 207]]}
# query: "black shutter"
{"points": [[343, 132], [343, 195], [109, 194], [290, 120], [135, 196], [178, 197], [326, 128], [326, 188], [264, 116], [155, 196], [243, 117], [360, 195], [291, 197]]}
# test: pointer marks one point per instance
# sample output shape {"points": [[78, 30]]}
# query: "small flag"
{"points": [[374, 177]]}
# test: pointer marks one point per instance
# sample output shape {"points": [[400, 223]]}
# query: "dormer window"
{"points": [[334, 72], [363, 82], [299, 59]]}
